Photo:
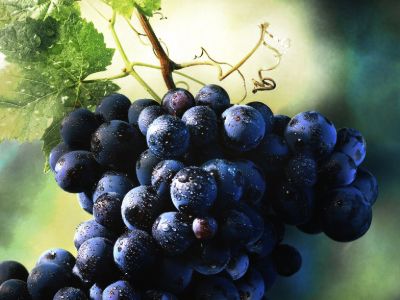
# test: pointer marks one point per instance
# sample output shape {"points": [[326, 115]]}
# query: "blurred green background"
{"points": [[344, 61]]}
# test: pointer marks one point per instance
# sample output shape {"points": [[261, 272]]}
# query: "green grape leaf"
{"points": [[126, 7], [45, 79]]}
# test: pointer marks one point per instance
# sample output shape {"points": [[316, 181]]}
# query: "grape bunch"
{"points": [[190, 198]]}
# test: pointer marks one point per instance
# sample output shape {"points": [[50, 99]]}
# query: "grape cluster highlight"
{"points": [[190, 198]]}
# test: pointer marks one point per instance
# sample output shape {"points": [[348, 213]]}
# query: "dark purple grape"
{"points": [[202, 124], [14, 289], [266, 113], [115, 144], [77, 128], [148, 115], [95, 292], [58, 256], [174, 275], [113, 182], [145, 165], [120, 290], [209, 258], [312, 133], [287, 260], [301, 170], [251, 286], [345, 214], [10, 269], [193, 190], [236, 228], [114, 107], [338, 170], [46, 279], [77, 171], [107, 211], [86, 202], [137, 107], [70, 293], [214, 97], [158, 295], [140, 207], [230, 181], [254, 182], [162, 175], [238, 266], [173, 232], [56, 153], [293, 205], [168, 137], [243, 128], [280, 123], [177, 101], [351, 142], [367, 184], [91, 229], [204, 228], [134, 253]]}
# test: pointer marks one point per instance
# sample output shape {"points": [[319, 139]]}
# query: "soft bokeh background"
{"points": [[344, 61]]}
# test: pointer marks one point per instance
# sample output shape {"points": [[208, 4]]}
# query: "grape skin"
{"points": [[14, 289]]}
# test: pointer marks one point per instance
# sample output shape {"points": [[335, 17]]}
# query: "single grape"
{"points": [[78, 280], [338, 170], [77, 171], [113, 182], [216, 288], [251, 286], [204, 228], [193, 190], [267, 241], [168, 137], [351, 142], [254, 182], [238, 266], [86, 202], [95, 259], [256, 220], [77, 128], [311, 132], [148, 115], [177, 101], [58, 256], [301, 170], [95, 292], [209, 258], [279, 125], [271, 155], [134, 253], [266, 113], [293, 205], [107, 211], [137, 107], [145, 165], [114, 107], [14, 289], [243, 128], [140, 207], [10, 269], [91, 229], [56, 153], [162, 175], [345, 214], [367, 184], [46, 279], [236, 227], [287, 260], [214, 97], [115, 143], [174, 275], [173, 232], [202, 124], [70, 293], [120, 290], [229, 179]]}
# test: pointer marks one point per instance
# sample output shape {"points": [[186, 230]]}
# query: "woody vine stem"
{"points": [[168, 67]]}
